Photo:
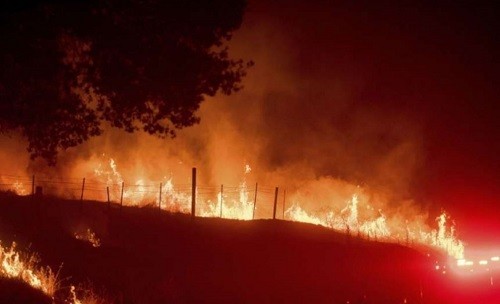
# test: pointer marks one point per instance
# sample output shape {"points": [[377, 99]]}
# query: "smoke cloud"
{"points": [[302, 122]]}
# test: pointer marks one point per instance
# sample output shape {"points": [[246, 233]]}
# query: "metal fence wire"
{"points": [[244, 201]]}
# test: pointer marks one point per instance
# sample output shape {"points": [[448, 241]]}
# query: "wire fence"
{"points": [[243, 201]]}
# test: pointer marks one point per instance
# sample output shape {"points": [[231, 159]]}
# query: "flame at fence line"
{"points": [[443, 238], [239, 206], [358, 216]]}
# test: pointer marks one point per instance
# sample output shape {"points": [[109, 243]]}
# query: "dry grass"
{"points": [[25, 267], [86, 294]]}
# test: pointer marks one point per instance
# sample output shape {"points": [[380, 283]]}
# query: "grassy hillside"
{"points": [[15, 291], [147, 256]]}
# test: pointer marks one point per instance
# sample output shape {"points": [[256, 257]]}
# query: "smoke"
{"points": [[302, 115], [301, 122]]}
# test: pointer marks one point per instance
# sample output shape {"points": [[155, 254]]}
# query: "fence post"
{"points": [[254, 201], [81, 197], [33, 185], [109, 202], [121, 196], [159, 200], [83, 189], [275, 202], [221, 198], [284, 197], [407, 236], [193, 194]]}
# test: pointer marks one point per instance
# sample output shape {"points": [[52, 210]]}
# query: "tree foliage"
{"points": [[69, 66]]}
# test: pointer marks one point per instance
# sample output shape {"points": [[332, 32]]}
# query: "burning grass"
{"points": [[25, 267], [344, 207], [90, 237], [180, 260], [84, 294]]}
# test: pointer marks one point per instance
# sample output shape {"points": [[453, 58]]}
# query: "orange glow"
{"points": [[347, 221], [73, 298], [90, 237], [344, 207], [328, 202], [20, 265], [16, 184], [461, 262], [24, 267]]}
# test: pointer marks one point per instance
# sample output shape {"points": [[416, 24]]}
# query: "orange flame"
{"points": [[15, 265], [90, 237], [358, 216]]}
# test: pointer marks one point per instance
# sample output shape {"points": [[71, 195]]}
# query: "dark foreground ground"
{"points": [[149, 256]]}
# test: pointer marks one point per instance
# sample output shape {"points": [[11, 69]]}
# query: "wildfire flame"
{"points": [[18, 265], [72, 297], [24, 267], [443, 238], [89, 236], [241, 207], [357, 217]]}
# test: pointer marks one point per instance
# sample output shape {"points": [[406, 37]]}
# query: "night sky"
{"points": [[437, 65]]}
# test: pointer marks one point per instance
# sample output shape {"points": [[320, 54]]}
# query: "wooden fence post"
{"points": [[83, 189], [109, 202], [159, 200], [33, 185], [193, 194], [81, 196], [284, 197], [275, 202], [254, 201], [121, 196], [221, 198]]}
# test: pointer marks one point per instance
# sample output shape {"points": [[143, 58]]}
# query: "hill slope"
{"points": [[147, 256]]}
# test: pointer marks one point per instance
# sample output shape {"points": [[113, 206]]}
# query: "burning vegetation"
{"points": [[90, 237], [25, 267], [357, 213]]}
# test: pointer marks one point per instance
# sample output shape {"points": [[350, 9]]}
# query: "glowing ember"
{"points": [[89, 236], [16, 184], [73, 298], [19, 188]]}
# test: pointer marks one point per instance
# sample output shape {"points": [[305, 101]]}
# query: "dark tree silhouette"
{"points": [[67, 67]]}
